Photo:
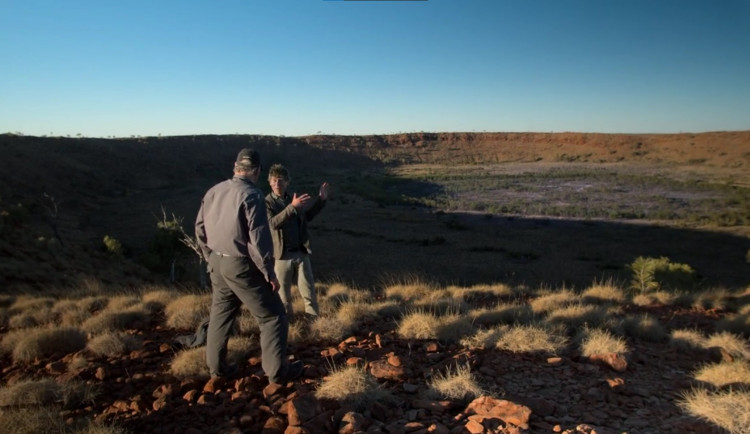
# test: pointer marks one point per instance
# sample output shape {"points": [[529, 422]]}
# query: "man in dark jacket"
{"points": [[233, 234], [288, 217]]}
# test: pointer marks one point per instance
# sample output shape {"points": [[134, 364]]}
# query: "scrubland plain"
{"points": [[564, 282]]}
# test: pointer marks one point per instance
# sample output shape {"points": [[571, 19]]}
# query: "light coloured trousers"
{"points": [[297, 267]]}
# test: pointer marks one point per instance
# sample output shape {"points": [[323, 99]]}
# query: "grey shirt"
{"points": [[232, 221]]}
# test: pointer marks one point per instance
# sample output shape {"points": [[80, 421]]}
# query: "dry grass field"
{"points": [[452, 267]]}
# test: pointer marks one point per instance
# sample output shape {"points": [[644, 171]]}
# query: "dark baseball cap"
{"points": [[248, 158]]}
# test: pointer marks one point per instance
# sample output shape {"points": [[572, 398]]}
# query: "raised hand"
{"points": [[325, 191], [300, 202]]}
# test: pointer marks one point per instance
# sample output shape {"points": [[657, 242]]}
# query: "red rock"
{"points": [[431, 347], [214, 384], [160, 403], [474, 427], [272, 389], [163, 390], [353, 423], [101, 373], [615, 382], [302, 409], [394, 360], [383, 370], [438, 428], [504, 410], [190, 395], [274, 425], [614, 361], [355, 361]]}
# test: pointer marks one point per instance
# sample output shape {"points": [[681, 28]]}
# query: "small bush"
{"points": [[651, 274], [113, 246]]}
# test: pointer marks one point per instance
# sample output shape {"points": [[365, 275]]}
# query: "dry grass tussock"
{"points": [[644, 327], [74, 312], [111, 320], [33, 420], [548, 300], [50, 420], [46, 392], [414, 290], [352, 385], [111, 344], [598, 341], [427, 325], [687, 340], [531, 338], [332, 296], [738, 323], [654, 298], [192, 362], [330, 329], [578, 315], [481, 293], [735, 345], [457, 383], [27, 312], [502, 313], [43, 342], [729, 409], [187, 311], [736, 374], [603, 293]]}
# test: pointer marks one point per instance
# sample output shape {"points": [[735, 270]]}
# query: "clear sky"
{"points": [[103, 68]]}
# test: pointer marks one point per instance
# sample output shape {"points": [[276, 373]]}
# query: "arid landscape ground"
{"points": [[476, 282]]}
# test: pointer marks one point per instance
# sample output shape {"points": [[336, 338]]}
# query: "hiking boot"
{"points": [[227, 371], [293, 371]]}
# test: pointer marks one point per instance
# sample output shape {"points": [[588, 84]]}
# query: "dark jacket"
{"points": [[280, 210]]}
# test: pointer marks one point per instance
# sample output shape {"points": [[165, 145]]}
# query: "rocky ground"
{"points": [[526, 393]]}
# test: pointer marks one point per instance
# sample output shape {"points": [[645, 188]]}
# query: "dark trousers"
{"points": [[236, 281]]}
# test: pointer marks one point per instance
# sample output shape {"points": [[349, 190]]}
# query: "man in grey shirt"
{"points": [[233, 233]]}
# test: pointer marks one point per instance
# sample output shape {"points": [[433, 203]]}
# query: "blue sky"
{"points": [[103, 68]]}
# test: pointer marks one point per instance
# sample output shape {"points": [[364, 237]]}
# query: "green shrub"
{"points": [[652, 274], [113, 246]]}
